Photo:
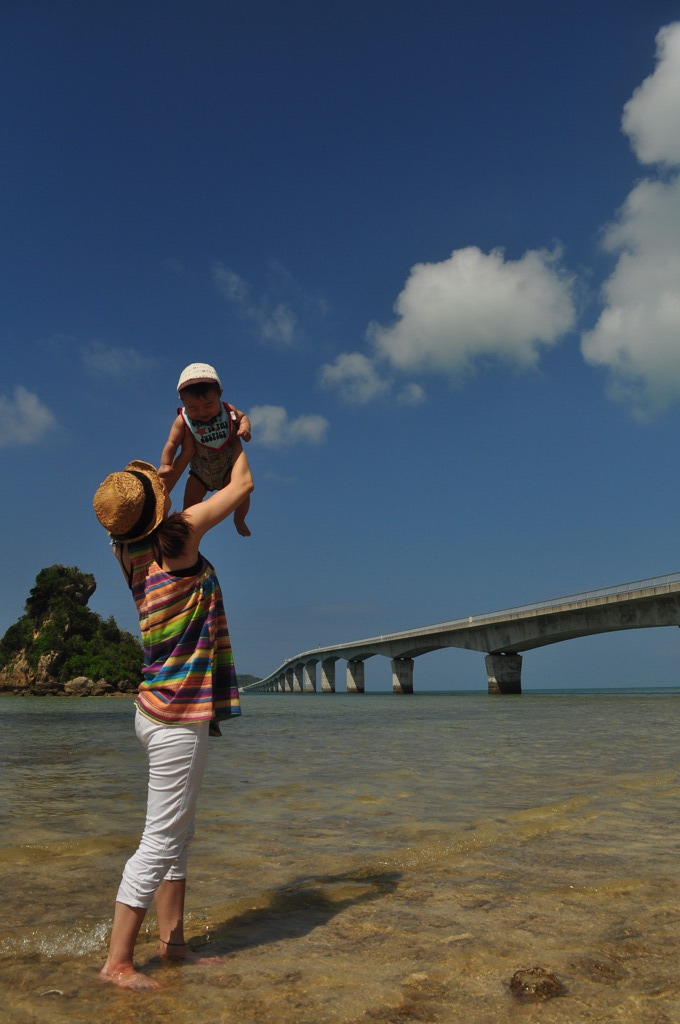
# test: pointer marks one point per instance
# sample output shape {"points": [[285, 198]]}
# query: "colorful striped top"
{"points": [[188, 671]]}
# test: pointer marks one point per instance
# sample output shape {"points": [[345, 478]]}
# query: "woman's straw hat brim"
{"points": [[131, 504]]}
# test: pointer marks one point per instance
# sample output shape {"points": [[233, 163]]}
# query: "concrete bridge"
{"points": [[500, 635]]}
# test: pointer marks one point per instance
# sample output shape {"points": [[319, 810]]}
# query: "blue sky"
{"points": [[432, 249]]}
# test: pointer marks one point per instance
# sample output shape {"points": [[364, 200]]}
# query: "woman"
{"points": [[189, 687]]}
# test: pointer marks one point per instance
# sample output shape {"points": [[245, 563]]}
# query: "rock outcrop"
{"points": [[60, 647]]}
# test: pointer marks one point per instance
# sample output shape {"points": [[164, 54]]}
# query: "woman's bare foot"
{"points": [[127, 979]]}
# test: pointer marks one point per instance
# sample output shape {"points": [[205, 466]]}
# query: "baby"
{"points": [[205, 429]]}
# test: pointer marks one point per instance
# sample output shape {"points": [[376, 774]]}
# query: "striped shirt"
{"points": [[188, 668]]}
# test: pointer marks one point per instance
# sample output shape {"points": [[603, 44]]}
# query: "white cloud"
{"points": [[411, 394], [115, 363], [651, 116], [273, 428], [233, 287], [637, 336], [23, 419], [471, 308], [273, 321], [355, 376], [475, 307]]}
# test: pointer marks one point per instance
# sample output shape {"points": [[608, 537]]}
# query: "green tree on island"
{"points": [[58, 628]]}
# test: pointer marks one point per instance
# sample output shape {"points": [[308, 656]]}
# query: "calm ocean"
{"points": [[358, 858]]}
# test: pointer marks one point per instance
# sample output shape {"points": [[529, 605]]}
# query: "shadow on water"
{"points": [[295, 909]]}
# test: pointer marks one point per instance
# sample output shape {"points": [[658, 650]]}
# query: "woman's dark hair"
{"points": [[172, 535]]}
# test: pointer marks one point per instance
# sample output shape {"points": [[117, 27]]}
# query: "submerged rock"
{"points": [[536, 983]]}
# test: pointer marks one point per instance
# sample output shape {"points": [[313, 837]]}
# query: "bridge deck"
{"points": [[644, 603]]}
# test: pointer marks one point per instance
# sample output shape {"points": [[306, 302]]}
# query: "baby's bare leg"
{"points": [[194, 492], [240, 514]]}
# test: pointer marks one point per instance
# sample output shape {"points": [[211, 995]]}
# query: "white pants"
{"points": [[177, 757]]}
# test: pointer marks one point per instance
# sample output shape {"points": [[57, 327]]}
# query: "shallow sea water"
{"points": [[358, 858]]}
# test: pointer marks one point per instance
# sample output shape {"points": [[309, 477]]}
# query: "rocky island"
{"points": [[60, 647]]}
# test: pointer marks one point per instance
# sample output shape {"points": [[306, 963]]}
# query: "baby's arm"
{"points": [[172, 465], [242, 423], [175, 439]]}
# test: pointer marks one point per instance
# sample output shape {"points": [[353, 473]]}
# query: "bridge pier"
{"points": [[402, 675], [309, 677], [328, 675], [504, 672], [297, 679], [355, 677]]}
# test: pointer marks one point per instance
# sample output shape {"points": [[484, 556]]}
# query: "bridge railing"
{"points": [[522, 609], [570, 599]]}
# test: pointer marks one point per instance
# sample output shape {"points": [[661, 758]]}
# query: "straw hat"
{"points": [[198, 373], [131, 504]]}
